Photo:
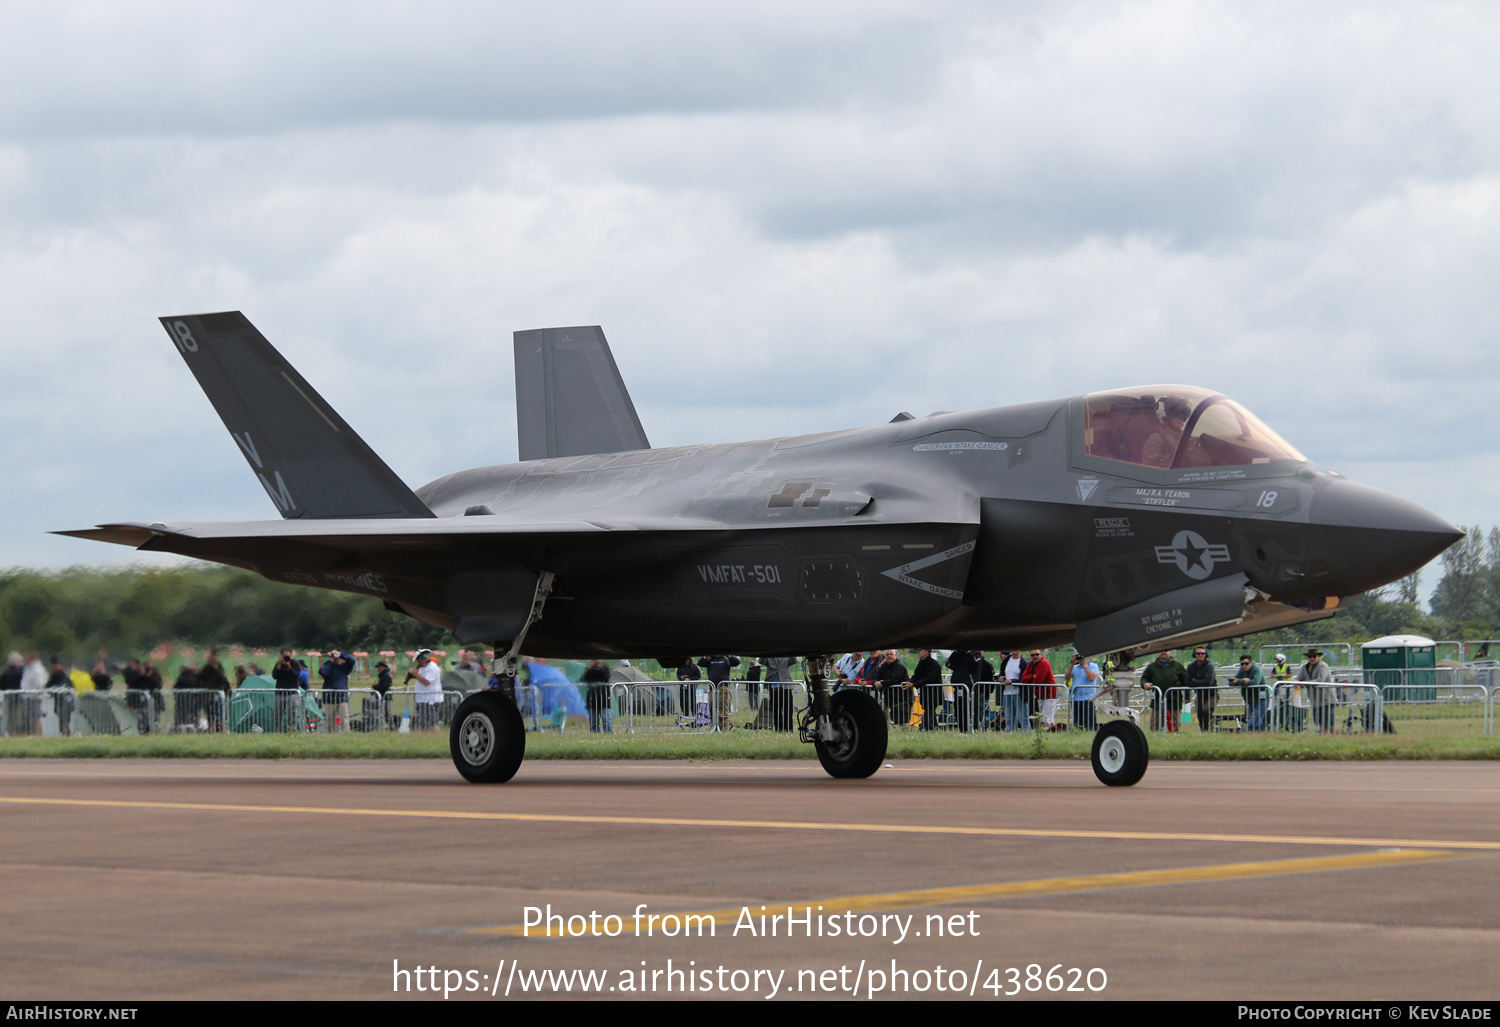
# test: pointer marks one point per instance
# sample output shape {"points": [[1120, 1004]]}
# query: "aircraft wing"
{"points": [[477, 575], [364, 534], [378, 533]]}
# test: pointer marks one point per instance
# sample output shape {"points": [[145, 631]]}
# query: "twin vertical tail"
{"points": [[570, 398], [308, 459]]}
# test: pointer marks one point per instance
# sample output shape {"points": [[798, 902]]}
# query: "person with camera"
{"points": [[428, 688], [287, 679], [335, 673], [1085, 684]]}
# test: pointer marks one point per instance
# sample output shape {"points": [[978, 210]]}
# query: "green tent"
{"points": [[252, 708]]}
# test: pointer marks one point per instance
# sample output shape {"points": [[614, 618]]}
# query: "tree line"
{"points": [[71, 613], [1465, 604]]}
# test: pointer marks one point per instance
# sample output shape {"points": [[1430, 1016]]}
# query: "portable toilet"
{"points": [[1402, 660]]}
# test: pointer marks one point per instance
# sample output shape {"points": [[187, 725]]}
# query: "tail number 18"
{"points": [[185, 340]]}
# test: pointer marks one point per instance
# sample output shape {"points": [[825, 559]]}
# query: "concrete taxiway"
{"points": [[141, 879]]}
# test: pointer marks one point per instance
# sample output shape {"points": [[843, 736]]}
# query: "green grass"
{"points": [[748, 745]]}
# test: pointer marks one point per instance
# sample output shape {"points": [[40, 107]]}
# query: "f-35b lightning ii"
{"points": [[1134, 519]]}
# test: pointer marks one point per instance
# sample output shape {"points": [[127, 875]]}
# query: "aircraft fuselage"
{"points": [[975, 530]]}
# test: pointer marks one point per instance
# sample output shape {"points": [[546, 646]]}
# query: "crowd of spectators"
{"points": [[1016, 691]]}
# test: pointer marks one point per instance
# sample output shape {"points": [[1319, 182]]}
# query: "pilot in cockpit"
{"points": [[1161, 446]]}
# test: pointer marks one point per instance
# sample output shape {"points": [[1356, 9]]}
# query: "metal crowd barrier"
{"points": [[1418, 703], [1340, 707], [316, 710], [928, 707], [55, 712], [1220, 708], [987, 706], [604, 702], [1442, 711], [703, 707]]}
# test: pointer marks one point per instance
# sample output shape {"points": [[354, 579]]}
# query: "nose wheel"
{"points": [[1120, 753]]}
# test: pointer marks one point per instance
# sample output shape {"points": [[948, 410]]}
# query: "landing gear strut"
{"points": [[488, 737], [849, 730]]}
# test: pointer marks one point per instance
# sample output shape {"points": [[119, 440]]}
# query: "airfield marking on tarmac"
{"points": [[777, 825], [1063, 885]]}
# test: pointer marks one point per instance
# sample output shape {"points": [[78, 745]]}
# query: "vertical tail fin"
{"points": [[308, 459], [570, 398]]}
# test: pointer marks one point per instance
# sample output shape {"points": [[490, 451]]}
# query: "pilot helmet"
{"points": [[1173, 406]]}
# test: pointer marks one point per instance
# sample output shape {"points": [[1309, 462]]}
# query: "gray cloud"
{"points": [[90, 69], [786, 221]]}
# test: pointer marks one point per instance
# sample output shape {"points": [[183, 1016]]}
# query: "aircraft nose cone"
{"points": [[1365, 538]]}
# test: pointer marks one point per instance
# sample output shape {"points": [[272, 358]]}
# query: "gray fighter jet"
{"points": [[1134, 519]]}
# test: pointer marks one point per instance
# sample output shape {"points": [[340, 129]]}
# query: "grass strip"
{"points": [[747, 745]]}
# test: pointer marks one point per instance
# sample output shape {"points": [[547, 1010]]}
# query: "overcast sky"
{"points": [[787, 217]]}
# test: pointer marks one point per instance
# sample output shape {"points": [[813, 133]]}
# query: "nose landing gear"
{"points": [[1120, 753]]}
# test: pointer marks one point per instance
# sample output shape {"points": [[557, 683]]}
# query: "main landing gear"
{"points": [[488, 738], [849, 730]]}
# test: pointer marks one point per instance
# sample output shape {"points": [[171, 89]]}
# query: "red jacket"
{"points": [[1039, 672]]}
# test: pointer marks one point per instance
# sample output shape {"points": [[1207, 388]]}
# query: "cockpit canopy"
{"points": [[1177, 426]]}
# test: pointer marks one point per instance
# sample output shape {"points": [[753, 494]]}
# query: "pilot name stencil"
{"points": [[1161, 497], [1159, 623]]}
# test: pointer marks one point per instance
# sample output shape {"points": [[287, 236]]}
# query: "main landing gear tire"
{"points": [[861, 727], [1120, 753], [488, 738]]}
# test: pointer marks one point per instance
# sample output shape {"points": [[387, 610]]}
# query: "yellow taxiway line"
{"points": [[1049, 886], [775, 825]]}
